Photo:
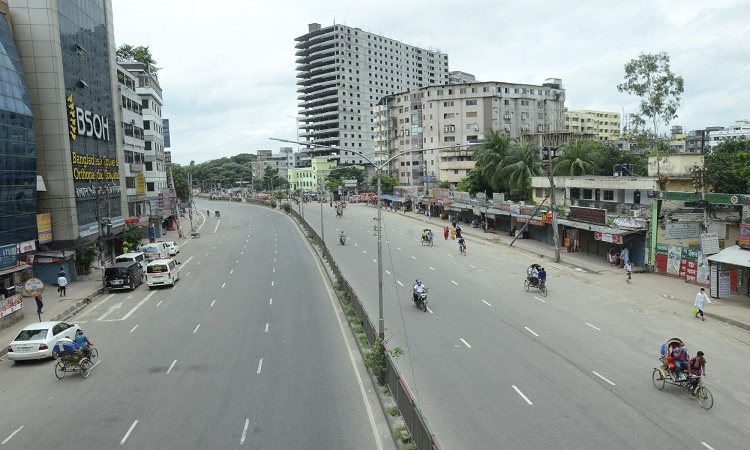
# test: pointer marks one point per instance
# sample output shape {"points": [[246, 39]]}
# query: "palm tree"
{"points": [[490, 158], [522, 163], [576, 159]]}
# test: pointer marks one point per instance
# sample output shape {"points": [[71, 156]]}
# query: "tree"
{"points": [[475, 182], [337, 175], [727, 166], [180, 180], [386, 183], [575, 159], [491, 158], [523, 163], [141, 54]]}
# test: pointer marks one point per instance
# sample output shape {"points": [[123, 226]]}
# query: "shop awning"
{"points": [[593, 227], [734, 255]]}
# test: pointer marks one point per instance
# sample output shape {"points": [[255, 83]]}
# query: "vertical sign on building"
{"points": [[165, 127]]}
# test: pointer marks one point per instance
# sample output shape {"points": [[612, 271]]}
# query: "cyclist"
{"points": [[84, 343], [542, 275], [461, 245]]}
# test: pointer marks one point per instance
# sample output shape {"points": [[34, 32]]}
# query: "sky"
{"points": [[227, 67]]}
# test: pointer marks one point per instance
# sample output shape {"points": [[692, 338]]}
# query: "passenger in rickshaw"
{"points": [[532, 274], [680, 359], [66, 347], [424, 235]]}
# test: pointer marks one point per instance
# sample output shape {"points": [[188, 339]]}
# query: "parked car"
{"points": [[36, 340], [138, 257], [172, 248], [123, 275]]}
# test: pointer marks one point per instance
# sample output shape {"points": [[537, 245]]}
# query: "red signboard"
{"points": [[591, 215], [744, 240], [547, 217], [691, 271], [607, 237]]}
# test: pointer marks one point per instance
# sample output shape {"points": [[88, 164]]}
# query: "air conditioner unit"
{"points": [[506, 116], [476, 128], [635, 213]]}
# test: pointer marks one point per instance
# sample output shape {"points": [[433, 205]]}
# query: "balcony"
{"points": [[136, 167]]}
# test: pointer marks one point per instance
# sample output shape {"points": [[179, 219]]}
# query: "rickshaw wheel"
{"points": [[544, 290], [658, 379], [526, 285], [60, 370], [704, 397], [85, 368]]}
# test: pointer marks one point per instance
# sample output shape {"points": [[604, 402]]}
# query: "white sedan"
{"points": [[172, 248], [36, 341]]}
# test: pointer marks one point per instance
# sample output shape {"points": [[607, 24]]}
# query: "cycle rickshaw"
{"points": [[665, 374], [70, 359], [532, 281], [427, 237]]}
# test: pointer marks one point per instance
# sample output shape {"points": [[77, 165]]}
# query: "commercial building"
{"points": [[443, 121], [133, 166], [67, 50], [604, 124], [343, 72], [738, 130]]}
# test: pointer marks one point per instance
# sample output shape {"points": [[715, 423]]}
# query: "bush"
{"points": [[393, 411], [286, 207], [85, 257], [375, 359]]}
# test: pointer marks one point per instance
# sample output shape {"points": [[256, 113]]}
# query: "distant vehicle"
{"points": [[172, 248], [156, 250], [37, 340], [138, 257]]}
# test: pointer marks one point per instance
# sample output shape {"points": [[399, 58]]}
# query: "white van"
{"points": [[138, 257], [155, 250], [162, 272]]}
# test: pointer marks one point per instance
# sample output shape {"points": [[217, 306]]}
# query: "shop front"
{"points": [[729, 272]]}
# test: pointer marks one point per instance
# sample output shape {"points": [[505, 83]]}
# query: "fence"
{"points": [[407, 406]]}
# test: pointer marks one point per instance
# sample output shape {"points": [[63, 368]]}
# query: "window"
{"points": [[471, 114], [540, 192], [588, 194], [609, 196], [449, 139], [471, 102], [447, 104]]}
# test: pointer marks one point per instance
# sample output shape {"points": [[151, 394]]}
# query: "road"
{"points": [[493, 366], [248, 350]]}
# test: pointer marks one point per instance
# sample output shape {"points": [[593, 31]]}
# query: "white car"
{"points": [[172, 248], [37, 340]]}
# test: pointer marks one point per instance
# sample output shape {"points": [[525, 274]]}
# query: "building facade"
{"points": [[133, 166], [343, 72], [738, 130], [71, 73], [604, 124]]}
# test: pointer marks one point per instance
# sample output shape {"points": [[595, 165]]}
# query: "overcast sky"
{"points": [[229, 80]]}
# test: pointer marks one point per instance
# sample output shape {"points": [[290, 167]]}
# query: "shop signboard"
{"points": [[702, 272], [674, 256], [710, 243], [744, 240], [589, 215], [682, 230], [8, 256], [725, 289], [714, 292], [608, 237], [33, 287]]}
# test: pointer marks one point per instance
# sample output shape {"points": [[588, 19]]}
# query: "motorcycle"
{"points": [[342, 240], [420, 299]]}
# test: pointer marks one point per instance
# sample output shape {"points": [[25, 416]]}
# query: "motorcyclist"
{"points": [[418, 288], [342, 237]]}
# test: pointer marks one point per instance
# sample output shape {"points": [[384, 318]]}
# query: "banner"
{"points": [[44, 228]]}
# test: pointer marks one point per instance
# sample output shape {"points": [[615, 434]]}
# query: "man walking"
{"points": [[39, 303], [61, 283], [700, 300], [625, 255], [628, 270]]}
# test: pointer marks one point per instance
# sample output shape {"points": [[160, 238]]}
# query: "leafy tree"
{"points": [[491, 159], [575, 159], [727, 167], [270, 179], [475, 182], [180, 180], [386, 183], [523, 163], [445, 184], [650, 78], [337, 175], [133, 237], [141, 54]]}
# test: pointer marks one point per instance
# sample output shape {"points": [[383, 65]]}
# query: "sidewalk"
{"points": [[79, 294], [734, 310]]}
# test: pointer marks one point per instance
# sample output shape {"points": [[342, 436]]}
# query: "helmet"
{"points": [[419, 282], [79, 331]]}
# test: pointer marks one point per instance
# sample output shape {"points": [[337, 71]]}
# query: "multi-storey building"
{"points": [[133, 164], [458, 77], [343, 72], [738, 130], [159, 195], [18, 172], [437, 123], [604, 124], [67, 50]]}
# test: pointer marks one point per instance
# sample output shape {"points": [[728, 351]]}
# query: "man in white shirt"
{"points": [[625, 255], [700, 300], [62, 282]]}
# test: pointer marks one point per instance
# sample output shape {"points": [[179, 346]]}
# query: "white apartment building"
{"points": [[133, 164], [739, 130], [442, 120], [342, 73], [158, 193], [604, 124]]}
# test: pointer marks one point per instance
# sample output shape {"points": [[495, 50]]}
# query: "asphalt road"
{"points": [[494, 366], [248, 350]]}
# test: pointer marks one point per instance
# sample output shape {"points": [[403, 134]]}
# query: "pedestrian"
{"points": [[61, 273], [700, 300], [453, 233], [628, 270], [446, 233], [454, 223], [62, 282], [458, 231], [39, 304], [625, 255]]}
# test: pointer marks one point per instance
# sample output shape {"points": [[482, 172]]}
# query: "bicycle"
{"points": [[462, 249]]}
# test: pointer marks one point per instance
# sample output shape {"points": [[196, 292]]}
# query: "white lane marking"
{"points": [[237, 262], [274, 260], [130, 313], [472, 266], [597, 329], [540, 299], [465, 343], [270, 302], [223, 284], [244, 431], [481, 270], [110, 310], [212, 304], [613, 384], [399, 282], [398, 248], [170, 367], [274, 270], [125, 438], [188, 274], [412, 257], [364, 251], [454, 282], [196, 328], [355, 244], [486, 303], [521, 394], [702, 443], [11, 435], [387, 272], [266, 327], [529, 329], [374, 260], [430, 268], [428, 309], [260, 365], [450, 256], [206, 254], [230, 272], [134, 328], [242, 253], [271, 282]]}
